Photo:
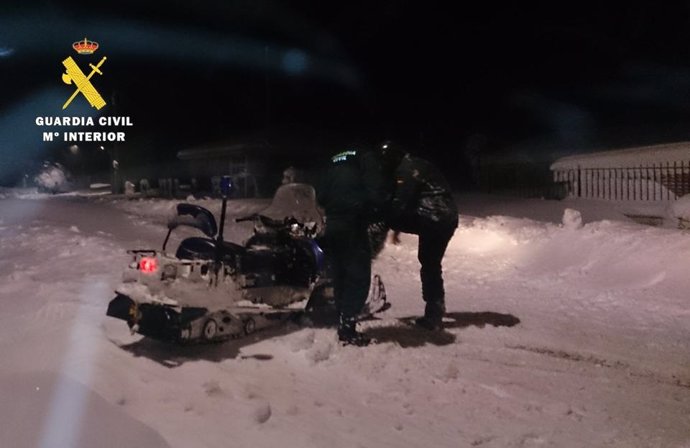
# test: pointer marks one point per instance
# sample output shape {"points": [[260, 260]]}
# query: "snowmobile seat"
{"points": [[199, 248]]}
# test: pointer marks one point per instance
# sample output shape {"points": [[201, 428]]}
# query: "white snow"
{"points": [[572, 219], [558, 334], [52, 178], [626, 158], [680, 208]]}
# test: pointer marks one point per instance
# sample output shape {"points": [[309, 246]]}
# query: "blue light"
{"points": [[226, 186]]}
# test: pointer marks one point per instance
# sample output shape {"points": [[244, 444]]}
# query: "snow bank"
{"points": [[572, 219], [23, 193], [52, 178], [680, 208]]}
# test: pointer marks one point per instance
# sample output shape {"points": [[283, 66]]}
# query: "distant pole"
{"points": [[115, 159], [267, 86]]}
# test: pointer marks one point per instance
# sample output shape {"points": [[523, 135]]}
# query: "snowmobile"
{"points": [[212, 290]]}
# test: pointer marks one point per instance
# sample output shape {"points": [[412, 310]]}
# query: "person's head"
{"points": [[391, 153], [289, 175]]}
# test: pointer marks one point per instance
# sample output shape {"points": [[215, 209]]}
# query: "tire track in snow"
{"points": [[602, 362]]}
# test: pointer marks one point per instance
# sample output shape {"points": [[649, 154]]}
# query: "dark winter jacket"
{"points": [[422, 199], [353, 187]]}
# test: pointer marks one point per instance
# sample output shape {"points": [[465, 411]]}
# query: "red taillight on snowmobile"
{"points": [[148, 265]]}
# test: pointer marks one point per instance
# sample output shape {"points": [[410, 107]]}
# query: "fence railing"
{"points": [[655, 182]]}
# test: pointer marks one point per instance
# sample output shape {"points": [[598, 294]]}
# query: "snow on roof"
{"points": [[624, 158]]}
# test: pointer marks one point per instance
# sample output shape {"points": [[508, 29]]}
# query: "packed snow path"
{"points": [[560, 336]]}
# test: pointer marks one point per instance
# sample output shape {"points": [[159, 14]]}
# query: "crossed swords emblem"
{"points": [[82, 82]]}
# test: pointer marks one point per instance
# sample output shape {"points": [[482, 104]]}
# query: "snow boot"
{"points": [[348, 334], [433, 316]]}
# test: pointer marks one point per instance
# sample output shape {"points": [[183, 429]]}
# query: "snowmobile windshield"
{"points": [[194, 216], [297, 201]]}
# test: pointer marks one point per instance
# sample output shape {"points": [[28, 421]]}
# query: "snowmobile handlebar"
{"points": [[288, 224], [269, 222]]}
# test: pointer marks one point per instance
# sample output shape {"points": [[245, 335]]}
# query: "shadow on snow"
{"points": [[172, 355], [409, 335]]}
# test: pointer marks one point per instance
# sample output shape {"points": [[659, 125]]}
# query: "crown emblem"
{"points": [[85, 46]]}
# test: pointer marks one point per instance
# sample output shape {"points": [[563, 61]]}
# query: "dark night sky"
{"points": [[533, 81]]}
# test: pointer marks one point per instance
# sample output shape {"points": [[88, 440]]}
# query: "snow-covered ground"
{"points": [[558, 335]]}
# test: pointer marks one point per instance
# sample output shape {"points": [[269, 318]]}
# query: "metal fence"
{"points": [[657, 182]]}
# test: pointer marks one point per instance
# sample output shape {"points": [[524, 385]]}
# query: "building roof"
{"points": [[627, 158], [219, 150]]}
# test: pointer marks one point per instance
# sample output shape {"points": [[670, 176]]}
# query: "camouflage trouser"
{"points": [[350, 257], [432, 247]]}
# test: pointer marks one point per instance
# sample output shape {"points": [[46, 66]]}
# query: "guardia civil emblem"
{"points": [[74, 75]]}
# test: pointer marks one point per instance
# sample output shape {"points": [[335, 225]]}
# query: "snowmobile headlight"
{"points": [[169, 271]]}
